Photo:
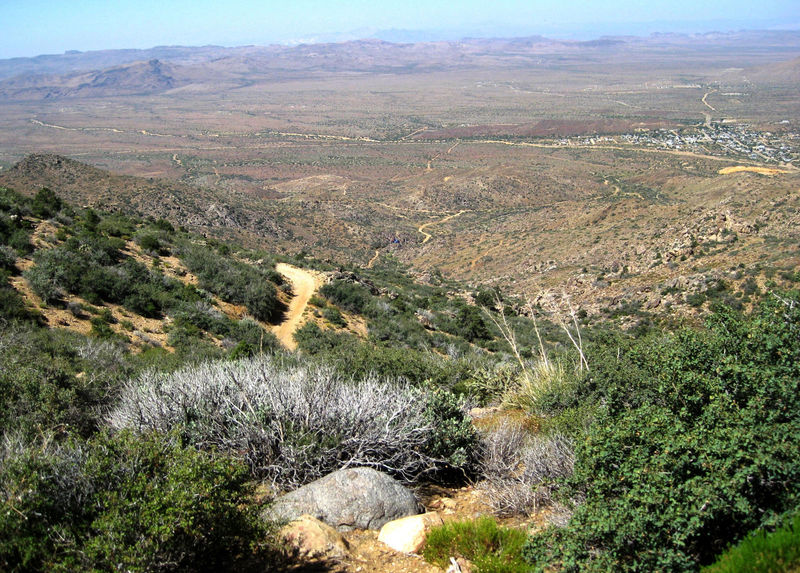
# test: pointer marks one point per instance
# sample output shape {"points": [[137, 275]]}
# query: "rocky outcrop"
{"points": [[408, 534], [355, 498], [309, 538]]}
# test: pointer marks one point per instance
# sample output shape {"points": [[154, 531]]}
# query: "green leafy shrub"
{"points": [[124, 502], [696, 444], [12, 307], [14, 228], [8, 258], [334, 316], [235, 282], [453, 437], [352, 297], [45, 203], [40, 386], [314, 341], [117, 225], [491, 548], [470, 324], [150, 243]]}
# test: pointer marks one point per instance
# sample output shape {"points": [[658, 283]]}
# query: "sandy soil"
{"points": [[760, 170], [304, 285]]}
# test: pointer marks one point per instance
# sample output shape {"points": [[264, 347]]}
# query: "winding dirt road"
{"points": [[428, 236], [374, 258], [304, 285]]}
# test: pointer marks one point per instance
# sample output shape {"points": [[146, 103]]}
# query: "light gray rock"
{"points": [[408, 534], [356, 498]]}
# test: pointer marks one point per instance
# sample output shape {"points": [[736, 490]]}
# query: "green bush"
{"points": [[695, 444], [352, 297], [56, 379], [763, 552], [117, 225], [151, 244], [14, 228], [45, 203], [334, 316], [469, 324], [312, 340], [12, 307], [491, 548], [124, 502], [235, 282], [453, 438]]}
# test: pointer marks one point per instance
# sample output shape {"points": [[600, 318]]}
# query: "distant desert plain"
{"points": [[635, 175]]}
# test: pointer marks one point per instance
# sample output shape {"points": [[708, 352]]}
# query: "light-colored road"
{"points": [[424, 226], [374, 258], [304, 284], [705, 103]]}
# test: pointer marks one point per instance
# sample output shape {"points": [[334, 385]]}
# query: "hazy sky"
{"points": [[32, 27]]}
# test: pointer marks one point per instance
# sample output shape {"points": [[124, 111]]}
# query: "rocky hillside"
{"points": [[183, 204]]}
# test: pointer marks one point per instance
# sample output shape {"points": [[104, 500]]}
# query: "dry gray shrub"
{"points": [[292, 423], [68, 485], [520, 469]]}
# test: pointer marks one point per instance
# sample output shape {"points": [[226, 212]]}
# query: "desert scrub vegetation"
{"points": [[88, 257], [90, 263], [15, 228], [125, 502], [234, 281], [352, 356], [521, 469], [295, 422], [694, 443], [56, 379]]}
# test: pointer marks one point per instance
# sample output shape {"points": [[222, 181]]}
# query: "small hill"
{"points": [[787, 72], [86, 185], [138, 78], [141, 77]]}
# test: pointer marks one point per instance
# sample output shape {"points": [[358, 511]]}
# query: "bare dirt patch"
{"points": [[304, 284], [750, 169]]}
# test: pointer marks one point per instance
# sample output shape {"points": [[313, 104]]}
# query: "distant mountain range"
{"points": [[160, 69]]}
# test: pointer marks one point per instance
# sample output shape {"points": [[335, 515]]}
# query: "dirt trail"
{"points": [[747, 168], [428, 236], [705, 103], [474, 262], [617, 191], [374, 258], [111, 129], [304, 285], [438, 155]]}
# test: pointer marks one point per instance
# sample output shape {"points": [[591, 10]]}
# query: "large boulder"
{"points": [[408, 534], [356, 498]]}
